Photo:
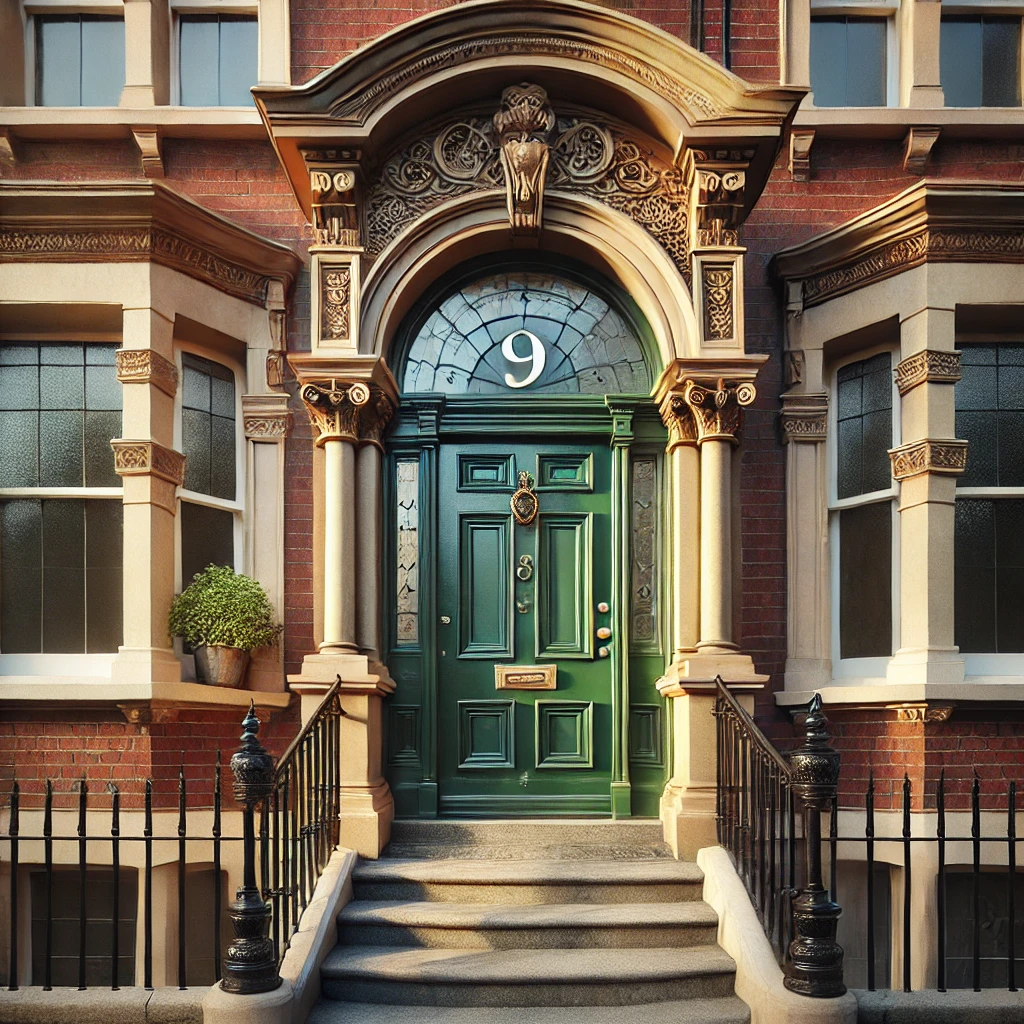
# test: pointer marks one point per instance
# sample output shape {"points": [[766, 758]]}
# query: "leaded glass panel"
{"points": [[526, 331], [864, 402], [208, 427], [865, 581], [407, 583], [643, 551]]}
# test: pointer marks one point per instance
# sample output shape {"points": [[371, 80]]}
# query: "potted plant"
{"points": [[223, 615]]}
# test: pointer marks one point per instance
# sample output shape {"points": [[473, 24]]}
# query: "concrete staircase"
{"points": [[543, 922]]}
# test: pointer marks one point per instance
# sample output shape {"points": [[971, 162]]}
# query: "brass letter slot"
{"points": [[525, 677]]}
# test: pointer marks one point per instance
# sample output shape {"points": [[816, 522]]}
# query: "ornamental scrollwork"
{"points": [[718, 411], [148, 458], [356, 411], [718, 289], [144, 366], [583, 157], [523, 125], [335, 312], [928, 456], [927, 366]]}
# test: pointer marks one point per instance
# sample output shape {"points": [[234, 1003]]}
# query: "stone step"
{"points": [[521, 882], [529, 926], [724, 1010], [530, 851], [525, 977], [623, 835]]}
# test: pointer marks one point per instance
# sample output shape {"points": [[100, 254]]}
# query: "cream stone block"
{"points": [[919, 64], [148, 411], [220, 1007], [795, 59], [275, 43], [147, 53]]}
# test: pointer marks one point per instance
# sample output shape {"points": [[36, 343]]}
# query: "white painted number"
{"points": [[537, 357]]}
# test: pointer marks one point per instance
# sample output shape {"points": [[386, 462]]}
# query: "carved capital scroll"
{"points": [[928, 366], [678, 418], [718, 412], [719, 179], [928, 456], [144, 366], [524, 124], [356, 412]]}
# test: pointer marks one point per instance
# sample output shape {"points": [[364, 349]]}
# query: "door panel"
{"points": [[565, 606], [485, 605]]}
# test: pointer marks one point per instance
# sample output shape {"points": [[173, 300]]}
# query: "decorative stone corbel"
{"points": [[918, 148], [148, 141], [524, 124], [800, 142], [266, 417], [717, 180], [276, 313], [8, 146], [145, 366], [335, 209]]}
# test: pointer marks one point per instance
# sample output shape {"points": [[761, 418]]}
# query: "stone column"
{"points": [[348, 417], [926, 465], [151, 471], [808, 655]]}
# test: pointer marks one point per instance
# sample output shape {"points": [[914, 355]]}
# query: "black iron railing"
{"points": [[90, 853], [980, 949], [769, 811]]}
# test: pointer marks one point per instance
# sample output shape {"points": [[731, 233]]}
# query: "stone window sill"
{"points": [[42, 123], [893, 122], [854, 693]]}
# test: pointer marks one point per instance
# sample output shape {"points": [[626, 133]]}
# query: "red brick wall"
{"points": [[102, 747]]}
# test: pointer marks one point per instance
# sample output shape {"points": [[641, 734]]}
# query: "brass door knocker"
{"points": [[524, 502]]}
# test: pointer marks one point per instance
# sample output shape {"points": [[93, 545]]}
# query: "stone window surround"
{"points": [[149, 69], [894, 265], [157, 309], [915, 95]]}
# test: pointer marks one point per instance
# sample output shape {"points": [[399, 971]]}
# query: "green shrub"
{"points": [[224, 608]]}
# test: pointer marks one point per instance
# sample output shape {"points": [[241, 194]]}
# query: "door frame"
{"points": [[423, 423]]}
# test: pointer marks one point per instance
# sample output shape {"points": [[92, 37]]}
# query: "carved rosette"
{"points": [[144, 366], [718, 412], [336, 304], [928, 366], [678, 418], [356, 412], [928, 456]]}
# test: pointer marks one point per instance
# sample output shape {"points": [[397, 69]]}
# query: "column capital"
{"points": [[928, 455], [353, 411], [678, 419], [927, 366], [804, 418], [718, 411]]}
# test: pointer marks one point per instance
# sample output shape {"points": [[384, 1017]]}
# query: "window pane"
{"points": [[865, 62], [60, 449], [21, 591], [960, 61], [222, 461], [102, 61], [208, 441], [828, 61], [195, 385], [207, 535], [62, 387], [58, 62], [19, 449], [1009, 523], [238, 44], [63, 577], [1000, 62], [864, 402], [848, 62], [19, 386], [103, 579], [100, 428], [865, 581], [195, 445], [1010, 466], [102, 388], [198, 61]]}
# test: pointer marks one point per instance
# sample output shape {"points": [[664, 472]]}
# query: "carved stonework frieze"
{"points": [[718, 411], [803, 426], [927, 366], [928, 456], [144, 366], [717, 283], [148, 458], [583, 157], [336, 303], [267, 428], [347, 411]]}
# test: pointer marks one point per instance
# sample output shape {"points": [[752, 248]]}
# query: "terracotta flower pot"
{"points": [[221, 666]]}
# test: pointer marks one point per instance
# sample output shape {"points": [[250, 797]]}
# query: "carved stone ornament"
{"points": [[802, 425], [924, 712], [719, 182], [335, 214], [265, 427], [793, 368], [148, 458], [917, 149], [339, 411], [717, 413], [928, 456], [524, 501], [524, 124], [598, 160], [144, 366], [927, 366], [800, 143], [336, 303], [678, 418], [148, 142], [717, 284]]}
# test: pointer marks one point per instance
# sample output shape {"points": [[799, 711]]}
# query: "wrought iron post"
{"points": [[815, 966], [249, 964]]}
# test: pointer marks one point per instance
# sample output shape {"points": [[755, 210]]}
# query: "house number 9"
{"points": [[536, 358]]}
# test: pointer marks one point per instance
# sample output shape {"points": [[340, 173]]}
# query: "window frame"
{"points": [[887, 9], [206, 7], [989, 9], [991, 666], [237, 506], [55, 8], [872, 668], [35, 664]]}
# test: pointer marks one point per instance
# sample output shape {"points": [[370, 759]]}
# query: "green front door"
{"points": [[519, 607]]}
